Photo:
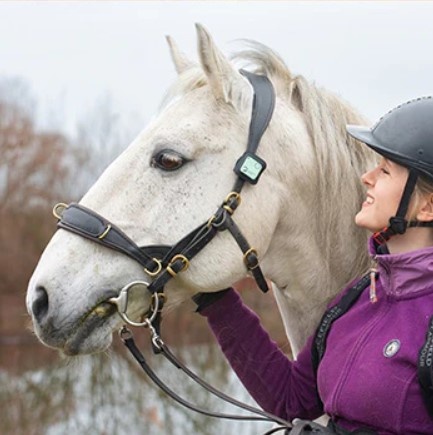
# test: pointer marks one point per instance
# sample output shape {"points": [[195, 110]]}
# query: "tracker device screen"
{"points": [[249, 167]]}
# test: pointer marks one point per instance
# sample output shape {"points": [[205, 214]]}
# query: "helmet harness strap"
{"points": [[398, 223]]}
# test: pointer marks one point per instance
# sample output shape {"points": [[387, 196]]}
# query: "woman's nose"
{"points": [[367, 178]]}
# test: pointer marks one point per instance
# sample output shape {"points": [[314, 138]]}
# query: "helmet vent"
{"points": [[427, 97]]}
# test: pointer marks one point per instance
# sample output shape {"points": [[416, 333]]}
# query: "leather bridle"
{"points": [[162, 262]]}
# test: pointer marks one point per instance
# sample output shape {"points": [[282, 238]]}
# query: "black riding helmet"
{"points": [[405, 136]]}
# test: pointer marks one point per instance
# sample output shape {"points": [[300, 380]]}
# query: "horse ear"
{"points": [[181, 62], [225, 81], [296, 95]]}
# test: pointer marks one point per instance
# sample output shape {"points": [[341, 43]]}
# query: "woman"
{"points": [[367, 379]]}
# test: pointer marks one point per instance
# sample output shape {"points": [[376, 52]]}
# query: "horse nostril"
{"points": [[40, 304]]}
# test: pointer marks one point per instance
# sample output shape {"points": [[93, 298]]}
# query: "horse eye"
{"points": [[167, 160]]}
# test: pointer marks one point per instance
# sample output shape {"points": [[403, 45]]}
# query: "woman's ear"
{"points": [[425, 213]]}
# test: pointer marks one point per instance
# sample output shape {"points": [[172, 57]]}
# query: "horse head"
{"points": [[174, 176]]}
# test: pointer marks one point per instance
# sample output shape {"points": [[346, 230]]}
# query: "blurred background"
{"points": [[78, 81]]}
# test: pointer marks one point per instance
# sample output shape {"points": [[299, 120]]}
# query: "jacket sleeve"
{"points": [[280, 386]]}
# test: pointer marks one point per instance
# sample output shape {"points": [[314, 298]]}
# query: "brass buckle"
{"points": [[231, 195], [157, 302], [251, 251], [175, 258], [158, 269]]}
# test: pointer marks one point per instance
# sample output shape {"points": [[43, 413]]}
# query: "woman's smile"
{"points": [[385, 184], [368, 201]]}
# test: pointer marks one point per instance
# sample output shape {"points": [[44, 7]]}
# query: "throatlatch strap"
{"points": [[250, 256], [425, 369]]}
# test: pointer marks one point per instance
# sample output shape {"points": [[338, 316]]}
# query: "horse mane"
{"points": [[326, 116]]}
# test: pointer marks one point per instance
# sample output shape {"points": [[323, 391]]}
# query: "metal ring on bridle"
{"points": [[158, 268], [125, 333], [185, 266], [147, 320], [121, 302], [250, 251], [56, 212], [232, 195]]}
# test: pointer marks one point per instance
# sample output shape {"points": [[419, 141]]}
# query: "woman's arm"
{"points": [[280, 386]]}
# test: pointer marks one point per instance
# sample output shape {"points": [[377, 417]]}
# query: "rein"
{"points": [[127, 338], [162, 262]]}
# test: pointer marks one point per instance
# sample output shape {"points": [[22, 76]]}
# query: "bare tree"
{"points": [[101, 137], [33, 174], [32, 167]]}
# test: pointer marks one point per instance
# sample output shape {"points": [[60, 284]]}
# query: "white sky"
{"points": [[374, 54]]}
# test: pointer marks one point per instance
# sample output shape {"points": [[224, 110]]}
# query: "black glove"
{"points": [[203, 300]]}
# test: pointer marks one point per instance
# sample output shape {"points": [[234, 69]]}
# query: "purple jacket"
{"points": [[367, 377]]}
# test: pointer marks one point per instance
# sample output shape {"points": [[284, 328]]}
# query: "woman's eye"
{"points": [[385, 171], [168, 160]]}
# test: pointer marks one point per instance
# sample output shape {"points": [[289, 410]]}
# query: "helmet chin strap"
{"points": [[398, 223]]}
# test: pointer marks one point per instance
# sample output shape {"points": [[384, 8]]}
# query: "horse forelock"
{"points": [[258, 57]]}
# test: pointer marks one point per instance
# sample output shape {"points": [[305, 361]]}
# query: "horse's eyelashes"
{"points": [[168, 160]]}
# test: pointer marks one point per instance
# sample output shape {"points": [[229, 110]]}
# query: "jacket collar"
{"points": [[404, 275]]}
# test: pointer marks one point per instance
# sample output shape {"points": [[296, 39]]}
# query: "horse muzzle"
{"points": [[91, 330]]}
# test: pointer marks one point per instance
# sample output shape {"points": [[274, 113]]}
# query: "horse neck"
{"points": [[316, 248], [307, 275]]}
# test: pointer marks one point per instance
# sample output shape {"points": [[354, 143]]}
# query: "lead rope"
{"points": [[128, 340]]}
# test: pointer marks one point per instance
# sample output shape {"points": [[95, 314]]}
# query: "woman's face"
{"points": [[385, 185]]}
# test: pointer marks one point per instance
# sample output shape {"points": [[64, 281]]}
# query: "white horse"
{"points": [[173, 176]]}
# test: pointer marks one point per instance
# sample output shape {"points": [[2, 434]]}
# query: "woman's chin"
{"points": [[362, 221]]}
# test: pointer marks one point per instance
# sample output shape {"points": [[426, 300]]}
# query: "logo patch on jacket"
{"points": [[391, 348]]}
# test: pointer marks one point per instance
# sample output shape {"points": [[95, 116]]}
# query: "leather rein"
{"points": [[162, 262]]}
